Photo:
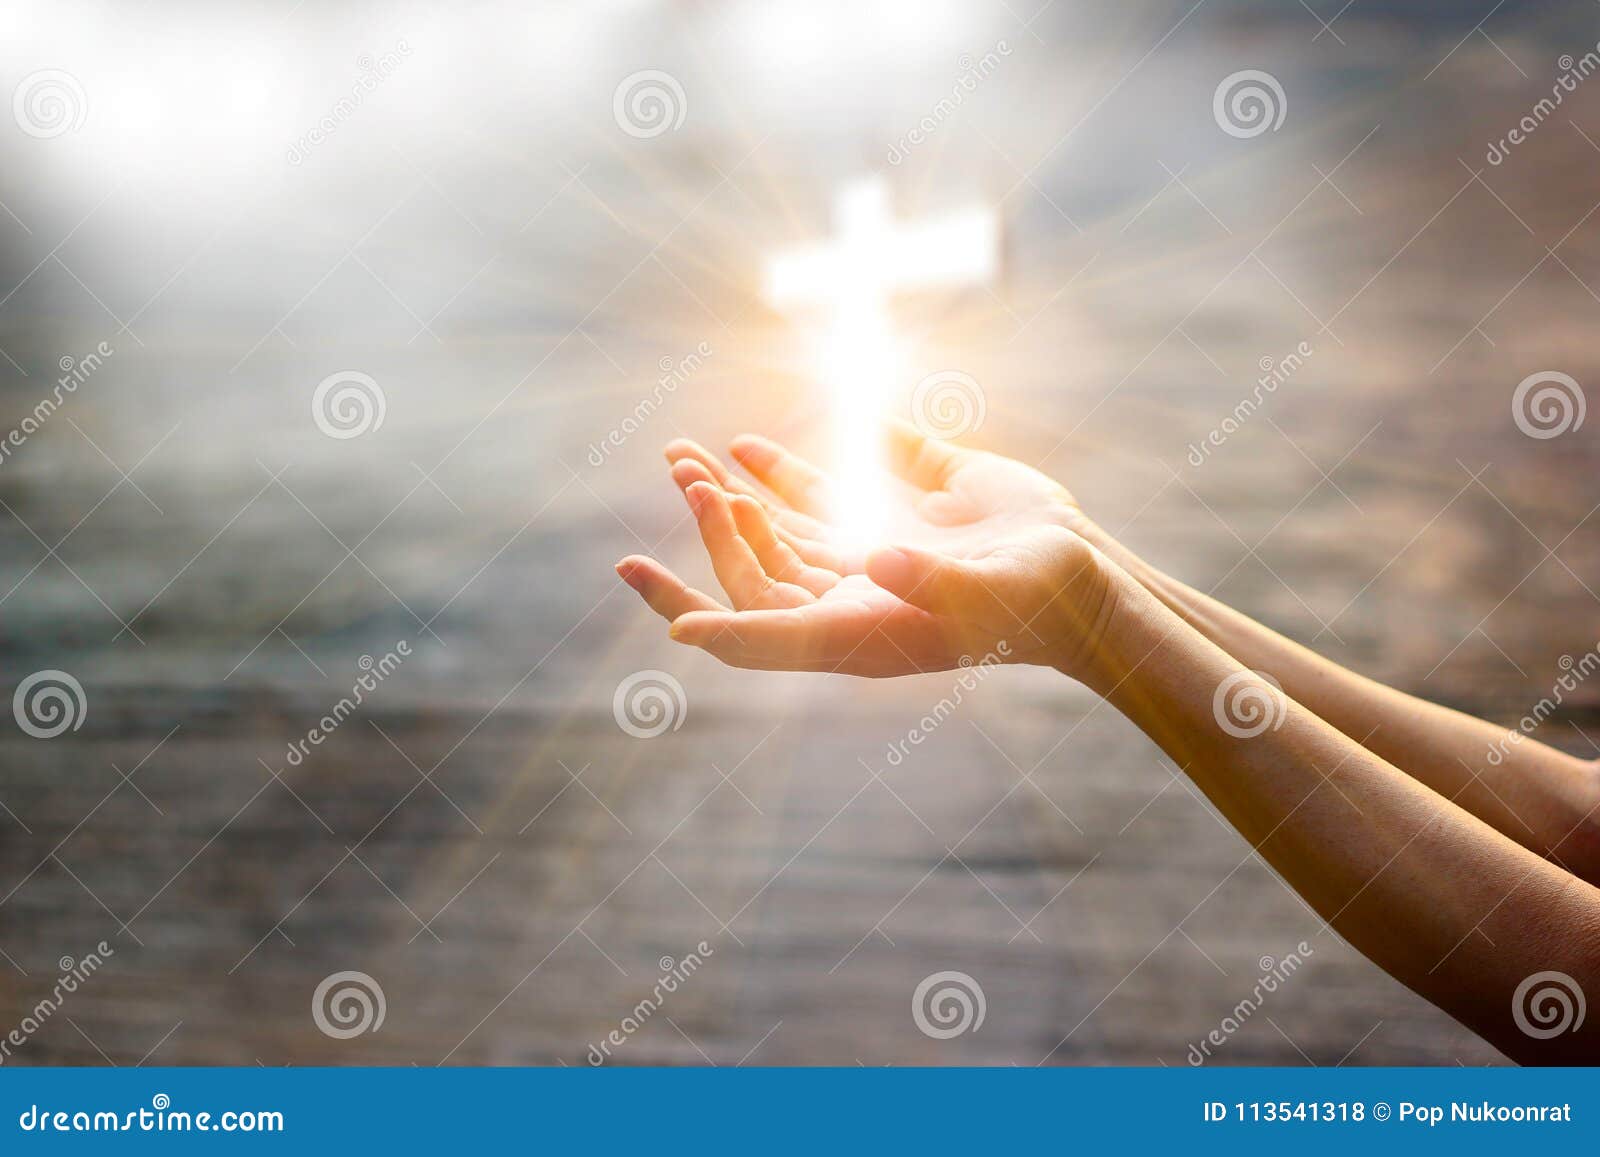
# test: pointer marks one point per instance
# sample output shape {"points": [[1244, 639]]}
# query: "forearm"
{"points": [[1432, 894], [1544, 799]]}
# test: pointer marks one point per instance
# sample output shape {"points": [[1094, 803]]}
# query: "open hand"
{"points": [[982, 561], [958, 500]]}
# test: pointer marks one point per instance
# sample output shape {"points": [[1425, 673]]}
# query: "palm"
{"points": [[985, 502]]}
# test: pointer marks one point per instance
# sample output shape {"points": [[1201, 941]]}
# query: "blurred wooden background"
{"points": [[482, 239]]}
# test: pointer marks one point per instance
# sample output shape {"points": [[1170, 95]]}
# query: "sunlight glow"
{"points": [[859, 358], [852, 279]]}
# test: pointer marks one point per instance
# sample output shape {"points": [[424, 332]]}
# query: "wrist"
{"points": [[1172, 593], [1123, 628], [1103, 541], [1071, 516], [1090, 592]]}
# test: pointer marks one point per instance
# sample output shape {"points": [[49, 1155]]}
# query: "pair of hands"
{"points": [[984, 561]]}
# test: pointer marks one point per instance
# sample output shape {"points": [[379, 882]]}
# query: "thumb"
{"points": [[969, 590]]}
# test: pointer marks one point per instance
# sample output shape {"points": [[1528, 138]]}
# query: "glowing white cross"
{"points": [[875, 256], [852, 278]]}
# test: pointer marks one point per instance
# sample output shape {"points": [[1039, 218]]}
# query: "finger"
{"points": [[738, 569], [735, 657], [687, 453], [791, 477], [667, 594], [761, 641], [920, 460], [687, 471], [797, 638], [777, 557], [802, 525], [818, 553], [736, 565], [870, 667]]}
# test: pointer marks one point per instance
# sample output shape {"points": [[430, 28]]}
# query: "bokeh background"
{"points": [[481, 236]]}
